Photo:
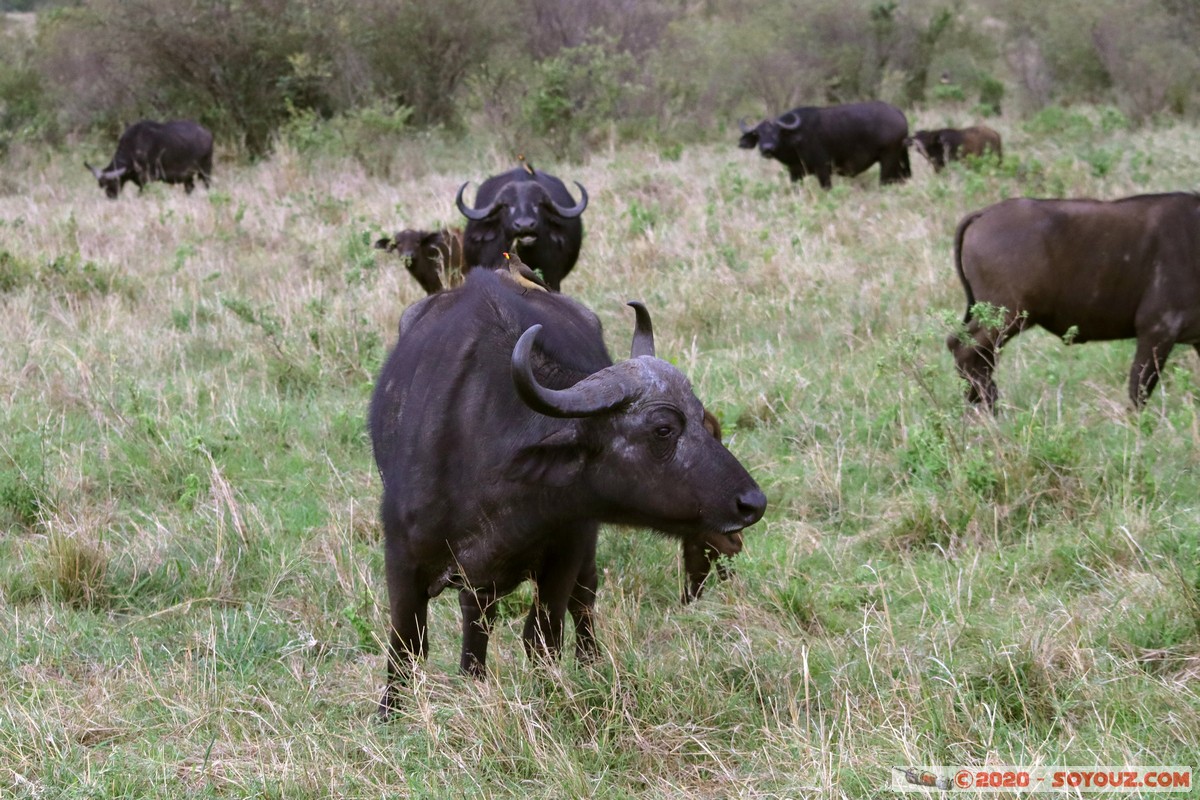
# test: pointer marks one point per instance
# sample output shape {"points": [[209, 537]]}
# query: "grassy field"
{"points": [[191, 592]]}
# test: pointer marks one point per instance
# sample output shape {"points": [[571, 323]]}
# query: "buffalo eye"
{"points": [[664, 427]]}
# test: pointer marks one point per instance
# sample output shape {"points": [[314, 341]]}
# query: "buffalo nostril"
{"points": [[751, 505], [524, 225]]}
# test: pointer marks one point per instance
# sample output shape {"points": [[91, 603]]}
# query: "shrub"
{"points": [[22, 94], [234, 67], [575, 96]]}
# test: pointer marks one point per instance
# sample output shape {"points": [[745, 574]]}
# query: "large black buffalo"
{"points": [[504, 435], [1085, 270], [845, 139], [527, 210], [173, 152]]}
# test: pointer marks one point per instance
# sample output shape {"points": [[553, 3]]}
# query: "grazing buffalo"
{"points": [[434, 258], [504, 435], [950, 144], [172, 152], [529, 212], [845, 139], [1085, 270]]}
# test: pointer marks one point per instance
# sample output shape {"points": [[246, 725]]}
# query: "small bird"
{"points": [[520, 272], [524, 163]]}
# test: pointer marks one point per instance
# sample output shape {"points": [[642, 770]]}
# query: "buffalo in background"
{"points": [[434, 258], [504, 435], [172, 152], [846, 139], [527, 210], [950, 144], [1085, 270]]}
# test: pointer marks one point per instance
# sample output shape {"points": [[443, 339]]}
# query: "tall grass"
{"points": [[191, 591]]}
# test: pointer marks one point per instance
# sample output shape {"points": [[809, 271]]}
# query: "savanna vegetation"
{"points": [[566, 76], [191, 595]]}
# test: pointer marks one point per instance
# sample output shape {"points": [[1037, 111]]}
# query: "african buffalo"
{"points": [[949, 144], [172, 152], [1085, 270], [430, 256], [504, 435], [528, 211], [845, 139]]}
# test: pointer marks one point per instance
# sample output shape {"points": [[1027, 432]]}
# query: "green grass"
{"points": [[191, 590]]}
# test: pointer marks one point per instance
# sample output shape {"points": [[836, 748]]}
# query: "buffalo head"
{"points": [[517, 210], [427, 254], [110, 179], [638, 440], [768, 135], [931, 145]]}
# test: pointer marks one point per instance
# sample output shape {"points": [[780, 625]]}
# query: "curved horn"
{"points": [[96, 172], [643, 331], [580, 400], [576, 210], [743, 127], [792, 121], [472, 213]]}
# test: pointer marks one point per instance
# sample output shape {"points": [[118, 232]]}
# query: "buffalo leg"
{"points": [[408, 639], [205, 170], [555, 582], [894, 167], [697, 564], [408, 604], [1147, 363], [582, 603], [478, 613], [188, 185], [825, 176], [699, 561]]}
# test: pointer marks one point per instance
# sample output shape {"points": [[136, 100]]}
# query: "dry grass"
{"points": [[191, 597]]}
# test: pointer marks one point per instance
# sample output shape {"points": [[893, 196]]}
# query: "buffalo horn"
{"points": [[743, 127], [790, 121], [472, 213], [585, 399], [643, 331], [576, 210], [96, 172]]}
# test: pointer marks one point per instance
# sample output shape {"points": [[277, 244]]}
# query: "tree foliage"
{"points": [[566, 74]]}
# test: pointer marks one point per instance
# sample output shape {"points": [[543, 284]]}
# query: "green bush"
{"points": [[22, 93], [567, 74], [991, 94], [575, 96]]}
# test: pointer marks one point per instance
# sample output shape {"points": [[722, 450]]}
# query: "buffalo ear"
{"points": [[749, 140], [555, 461], [712, 424]]}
